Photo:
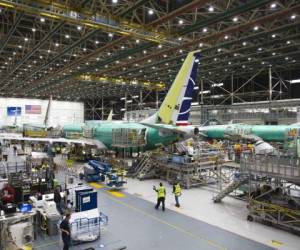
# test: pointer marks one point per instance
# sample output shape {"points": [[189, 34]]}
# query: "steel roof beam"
{"points": [[11, 31], [36, 47], [136, 5]]}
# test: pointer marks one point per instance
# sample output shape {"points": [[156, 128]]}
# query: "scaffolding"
{"points": [[128, 138]]}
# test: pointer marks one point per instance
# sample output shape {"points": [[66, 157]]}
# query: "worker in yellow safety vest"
{"points": [[177, 193], [161, 196]]}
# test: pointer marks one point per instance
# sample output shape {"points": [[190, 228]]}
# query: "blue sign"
{"points": [[14, 111]]}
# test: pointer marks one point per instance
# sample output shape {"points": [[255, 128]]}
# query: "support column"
{"points": [[102, 109], [231, 94], [270, 84], [125, 106], [201, 91]]}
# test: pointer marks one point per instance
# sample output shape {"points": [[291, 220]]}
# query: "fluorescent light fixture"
{"points": [[294, 81], [42, 19], [114, 1], [235, 19], [216, 96], [217, 84], [273, 5], [196, 87], [204, 30], [129, 101], [67, 36], [293, 17], [123, 109], [33, 30], [123, 98], [79, 27], [211, 9], [180, 21], [135, 96], [204, 92], [195, 103]]}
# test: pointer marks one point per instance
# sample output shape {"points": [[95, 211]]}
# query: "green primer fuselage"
{"points": [[276, 133], [103, 132]]}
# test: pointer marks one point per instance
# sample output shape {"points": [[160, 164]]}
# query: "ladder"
{"points": [[230, 188]]}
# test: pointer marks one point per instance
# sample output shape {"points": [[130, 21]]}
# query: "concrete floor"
{"points": [[198, 224], [229, 215], [134, 223]]}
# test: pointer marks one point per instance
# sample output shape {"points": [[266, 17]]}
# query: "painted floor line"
{"points": [[198, 237], [115, 193]]}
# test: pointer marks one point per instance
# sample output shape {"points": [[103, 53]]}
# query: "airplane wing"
{"points": [[83, 141], [182, 131]]}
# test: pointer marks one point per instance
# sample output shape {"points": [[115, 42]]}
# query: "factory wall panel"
{"points": [[34, 110]]}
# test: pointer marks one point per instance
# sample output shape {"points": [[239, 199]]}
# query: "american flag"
{"points": [[33, 109]]}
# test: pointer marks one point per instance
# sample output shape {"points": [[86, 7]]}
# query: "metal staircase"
{"points": [[230, 188]]}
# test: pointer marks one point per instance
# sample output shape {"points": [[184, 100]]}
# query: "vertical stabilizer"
{"points": [[175, 108]]}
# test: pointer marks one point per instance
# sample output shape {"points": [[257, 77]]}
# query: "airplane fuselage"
{"points": [[275, 133]]}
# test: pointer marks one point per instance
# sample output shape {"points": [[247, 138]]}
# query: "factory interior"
{"points": [[149, 124]]}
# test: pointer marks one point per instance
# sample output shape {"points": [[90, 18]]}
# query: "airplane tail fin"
{"points": [[110, 116], [176, 106]]}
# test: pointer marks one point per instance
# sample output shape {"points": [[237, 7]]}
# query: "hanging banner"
{"points": [[14, 111]]}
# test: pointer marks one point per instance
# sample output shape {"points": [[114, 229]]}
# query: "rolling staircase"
{"points": [[230, 188]]}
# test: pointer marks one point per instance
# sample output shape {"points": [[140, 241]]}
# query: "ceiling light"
{"points": [[79, 27], [235, 19], [273, 35], [65, 60], [150, 12], [137, 41], [256, 28], [262, 62], [293, 17], [114, 1], [14, 53], [149, 60], [179, 38], [200, 44], [204, 30], [56, 44], [219, 50], [226, 37], [286, 58], [117, 61], [249, 58], [165, 56], [129, 57], [33, 30], [159, 46], [235, 54], [288, 42], [145, 51], [229, 63], [211, 9], [9, 58], [96, 42], [74, 55], [122, 47], [108, 53], [259, 49], [110, 34], [180, 51], [48, 50], [180, 21], [25, 39], [243, 66], [67, 36], [97, 59], [41, 57], [273, 5], [273, 54], [84, 49], [215, 59], [42, 19], [244, 43]]}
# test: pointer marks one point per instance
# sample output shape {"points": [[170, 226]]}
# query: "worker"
{"points": [[66, 232], [8, 194], [57, 200], [237, 151], [177, 193], [161, 196]]}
